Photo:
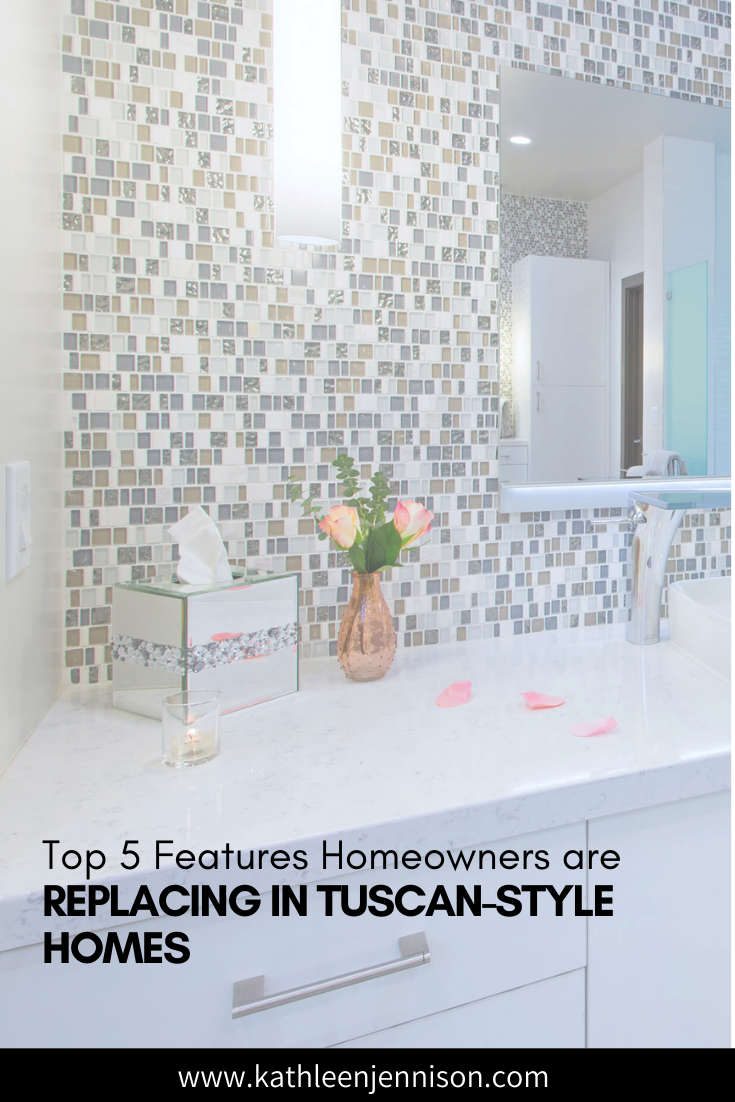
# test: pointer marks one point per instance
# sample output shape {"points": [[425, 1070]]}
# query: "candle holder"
{"points": [[191, 722]]}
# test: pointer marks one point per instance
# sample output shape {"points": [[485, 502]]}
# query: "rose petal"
{"points": [[601, 727], [541, 700], [456, 693]]}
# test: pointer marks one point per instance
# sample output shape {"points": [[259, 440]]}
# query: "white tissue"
{"points": [[203, 558]]}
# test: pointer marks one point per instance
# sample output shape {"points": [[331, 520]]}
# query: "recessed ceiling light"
{"points": [[520, 140]]}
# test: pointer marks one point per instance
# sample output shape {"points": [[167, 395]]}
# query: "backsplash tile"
{"points": [[203, 364]]}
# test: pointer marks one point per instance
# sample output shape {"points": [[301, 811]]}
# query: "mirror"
{"points": [[614, 283]]}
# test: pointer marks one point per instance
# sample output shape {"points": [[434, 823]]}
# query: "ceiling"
{"points": [[588, 137]]}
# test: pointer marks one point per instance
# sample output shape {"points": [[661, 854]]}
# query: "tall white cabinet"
{"points": [[560, 366]]}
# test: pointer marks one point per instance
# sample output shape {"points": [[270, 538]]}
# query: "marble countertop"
{"points": [[376, 765]]}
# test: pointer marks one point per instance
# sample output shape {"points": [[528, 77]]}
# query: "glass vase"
{"points": [[366, 644]]}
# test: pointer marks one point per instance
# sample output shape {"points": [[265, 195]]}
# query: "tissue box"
{"points": [[240, 637]]}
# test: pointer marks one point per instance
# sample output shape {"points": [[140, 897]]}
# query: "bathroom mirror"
{"points": [[614, 285]]}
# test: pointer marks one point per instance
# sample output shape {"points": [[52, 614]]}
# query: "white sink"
{"points": [[699, 621]]}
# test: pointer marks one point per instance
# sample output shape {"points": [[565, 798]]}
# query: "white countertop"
{"points": [[376, 765]]}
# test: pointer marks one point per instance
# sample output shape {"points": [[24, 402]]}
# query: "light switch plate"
{"points": [[17, 518]]}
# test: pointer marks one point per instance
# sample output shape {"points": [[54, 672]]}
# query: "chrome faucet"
{"points": [[652, 522]]}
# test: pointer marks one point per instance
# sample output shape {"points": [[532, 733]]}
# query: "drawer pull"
{"points": [[248, 996]]}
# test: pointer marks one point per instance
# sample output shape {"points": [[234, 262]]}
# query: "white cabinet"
{"points": [[560, 366], [655, 974], [549, 1014], [513, 461], [659, 971], [472, 957], [561, 308], [566, 423]]}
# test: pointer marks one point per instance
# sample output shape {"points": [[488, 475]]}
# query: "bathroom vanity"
{"points": [[379, 767]]}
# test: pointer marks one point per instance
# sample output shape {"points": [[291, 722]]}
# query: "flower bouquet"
{"points": [[367, 640]]}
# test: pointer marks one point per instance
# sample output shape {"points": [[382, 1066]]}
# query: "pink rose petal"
{"points": [[541, 700], [456, 693], [601, 727]]}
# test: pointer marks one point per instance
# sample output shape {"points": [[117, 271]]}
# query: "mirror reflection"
{"points": [[614, 283]]}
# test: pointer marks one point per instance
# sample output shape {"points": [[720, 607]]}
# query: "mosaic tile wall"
{"points": [[532, 226], [204, 365]]}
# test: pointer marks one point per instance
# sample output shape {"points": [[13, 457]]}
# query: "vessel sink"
{"points": [[699, 621]]}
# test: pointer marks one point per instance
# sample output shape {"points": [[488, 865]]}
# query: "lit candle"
{"points": [[189, 739], [195, 744]]}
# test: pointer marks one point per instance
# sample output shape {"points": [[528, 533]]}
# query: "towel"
{"points": [[658, 464], [506, 419], [661, 463]]}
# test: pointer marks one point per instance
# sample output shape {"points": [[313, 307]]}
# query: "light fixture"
{"points": [[307, 115], [520, 140]]}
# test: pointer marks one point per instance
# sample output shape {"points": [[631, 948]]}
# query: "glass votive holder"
{"points": [[191, 727]]}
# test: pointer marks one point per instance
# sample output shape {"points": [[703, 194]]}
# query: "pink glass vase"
{"points": [[366, 644]]}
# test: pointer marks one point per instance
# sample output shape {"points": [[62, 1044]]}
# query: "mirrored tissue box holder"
{"points": [[240, 637]]}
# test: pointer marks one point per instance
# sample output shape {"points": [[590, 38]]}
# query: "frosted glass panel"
{"points": [[686, 366]]}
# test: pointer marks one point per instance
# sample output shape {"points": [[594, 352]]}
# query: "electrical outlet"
{"points": [[17, 518]]}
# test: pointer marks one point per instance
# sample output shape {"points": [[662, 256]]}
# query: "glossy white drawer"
{"points": [[512, 453], [190, 1004], [513, 472], [548, 1014]]}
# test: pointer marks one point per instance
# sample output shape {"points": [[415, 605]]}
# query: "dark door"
{"points": [[631, 450]]}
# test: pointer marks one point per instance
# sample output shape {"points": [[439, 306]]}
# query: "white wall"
{"points": [[654, 313], [615, 233], [719, 390], [30, 372]]}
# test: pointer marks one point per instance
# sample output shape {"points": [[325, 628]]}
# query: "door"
{"points": [[631, 445], [569, 321], [685, 415], [568, 439]]}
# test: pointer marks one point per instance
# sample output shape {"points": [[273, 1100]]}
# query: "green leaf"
{"points": [[382, 547], [348, 475], [356, 555]]}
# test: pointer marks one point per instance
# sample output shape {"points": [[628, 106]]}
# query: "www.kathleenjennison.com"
{"points": [[372, 1080]]}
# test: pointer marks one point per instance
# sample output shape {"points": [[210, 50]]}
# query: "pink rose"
{"points": [[342, 524], [411, 520]]}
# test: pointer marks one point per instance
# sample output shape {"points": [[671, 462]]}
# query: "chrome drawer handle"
{"points": [[248, 996]]}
